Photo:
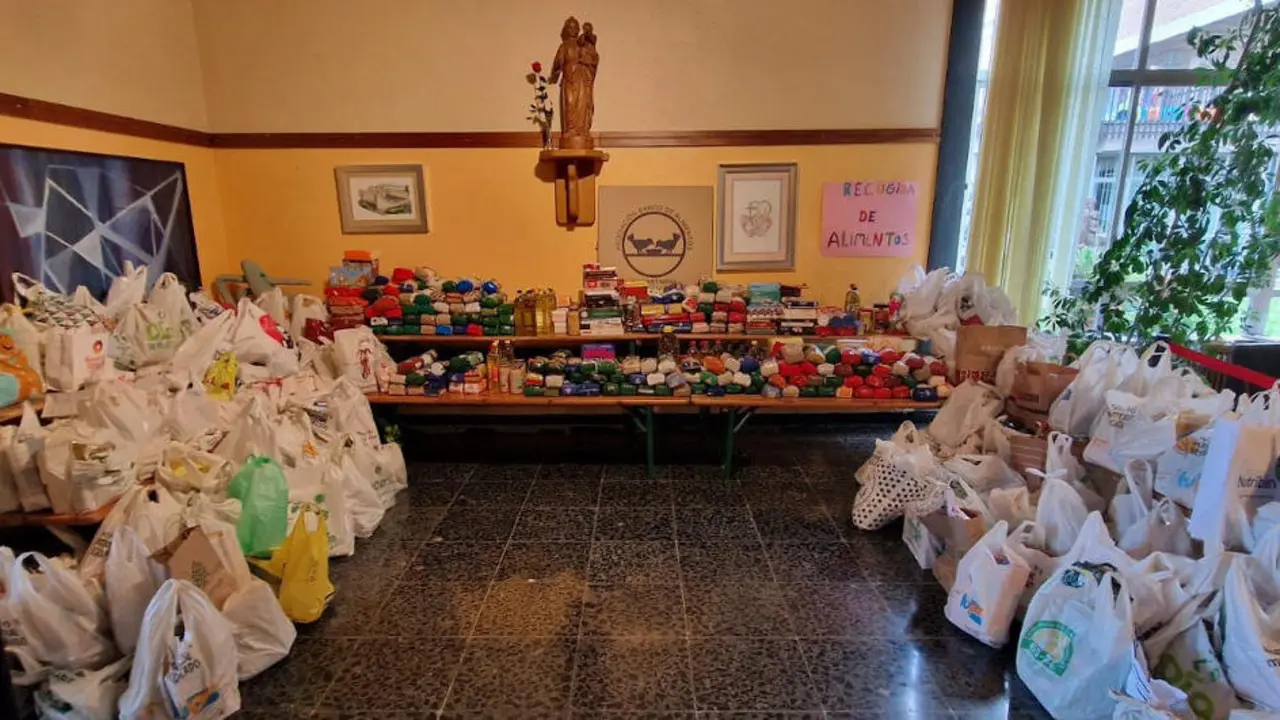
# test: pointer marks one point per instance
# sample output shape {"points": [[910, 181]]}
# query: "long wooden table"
{"points": [[737, 409]]}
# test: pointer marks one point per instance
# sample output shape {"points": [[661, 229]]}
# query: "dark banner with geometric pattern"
{"points": [[71, 218]]}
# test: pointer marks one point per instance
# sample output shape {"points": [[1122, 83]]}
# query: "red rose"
{"points": [[537, 66]]}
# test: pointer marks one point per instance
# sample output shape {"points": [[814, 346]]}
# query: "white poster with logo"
{"points": [[657, 233]]}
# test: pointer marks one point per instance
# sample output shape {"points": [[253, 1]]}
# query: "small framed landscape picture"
{"points": [[756, 217], [381, 199]]}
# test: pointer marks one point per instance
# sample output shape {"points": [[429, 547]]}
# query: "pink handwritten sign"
{"points": [[869, 219]]}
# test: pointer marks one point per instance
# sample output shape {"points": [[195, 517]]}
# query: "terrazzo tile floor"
{"points": [[582, 589]]}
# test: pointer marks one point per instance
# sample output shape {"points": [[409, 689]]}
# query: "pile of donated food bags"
{"points": [[235, 458], [1135, 564]]}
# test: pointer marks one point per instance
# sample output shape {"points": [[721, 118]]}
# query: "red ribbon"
{"points": [[1213, 364]]}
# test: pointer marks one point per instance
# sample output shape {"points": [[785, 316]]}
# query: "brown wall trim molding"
{"points": [[676, 138], [55, 113], [58, 114]]}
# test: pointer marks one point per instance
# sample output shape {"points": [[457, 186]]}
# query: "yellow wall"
{"points": [[490, 216], [136, 58], [458, 65], [206, 207]]}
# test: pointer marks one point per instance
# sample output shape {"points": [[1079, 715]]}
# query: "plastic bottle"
{"points": [[852, 300], [492, 364], [522, 313], [546, 304]]}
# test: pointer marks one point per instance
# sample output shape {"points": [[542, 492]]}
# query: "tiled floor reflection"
{"points": [[585, 590]]}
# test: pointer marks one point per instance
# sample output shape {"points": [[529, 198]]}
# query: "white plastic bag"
{"points": [[274, 304], [362, 498], [190, 416], [191, 675], [925, 547], [1121, 411], [350, 413], [1251, 643], [1013, 363], [1028, 542], [965, 414], [1239, 477], [193, 358], [144, 335], [320, 483], [1130, 507], [1012, 505], [1060, 514], [74, 356], [257, 339], [1185, 658], [984, 473], [131, 577], [385, 464], [184, 469], [150, 511], [127, 289], [84, 468], [1141, 524], [61, 615], [264, 634], [1178, 468], [256, 433], [1104, 366], [989, 582], [169, 295], [1076, 642], [303, 307], [125, 409], [23, 454], [907, 437], [356, 353], [83, 694]]}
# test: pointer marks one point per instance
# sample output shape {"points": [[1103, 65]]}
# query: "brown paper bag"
{"points": [[980, 347], [1038, 384], [195, 560]]}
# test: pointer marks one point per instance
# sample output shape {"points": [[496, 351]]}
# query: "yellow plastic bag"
{"points": [[220, 377], [302, 564]]}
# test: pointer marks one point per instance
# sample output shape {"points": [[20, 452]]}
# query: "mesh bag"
{"points": [[51, 309], [900, 479]]}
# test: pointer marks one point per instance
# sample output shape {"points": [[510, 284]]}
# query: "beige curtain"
{"points": [[1048, 84]]}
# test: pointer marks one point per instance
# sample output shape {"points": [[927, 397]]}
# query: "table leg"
{"points": [[68, 537], [729, 429]]}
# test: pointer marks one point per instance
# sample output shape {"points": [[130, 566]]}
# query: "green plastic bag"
{"points": [[264, 498]]}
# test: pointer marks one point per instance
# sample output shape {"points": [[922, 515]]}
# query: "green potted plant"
{"points": [[1203, 228]]}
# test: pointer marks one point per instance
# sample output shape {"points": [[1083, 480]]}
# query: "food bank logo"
{"points": [[1051, 644], [654, 240]]}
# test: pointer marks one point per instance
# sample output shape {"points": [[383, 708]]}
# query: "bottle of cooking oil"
{"points": [[525, 324], [546, 306], [852, 300], [493, 363]]}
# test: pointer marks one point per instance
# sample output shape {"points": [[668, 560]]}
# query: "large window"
{"points": [[1153, 77]]}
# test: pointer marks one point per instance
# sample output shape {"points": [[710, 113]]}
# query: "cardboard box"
{"points": [[979, 349]]}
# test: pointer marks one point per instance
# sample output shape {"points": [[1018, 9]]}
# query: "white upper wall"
{"points": [[459, 65], [136, 58]]}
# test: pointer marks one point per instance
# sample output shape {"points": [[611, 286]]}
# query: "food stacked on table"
{"points": [[227, 457], [418, 301], [1116, 518], [789, 369]]}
